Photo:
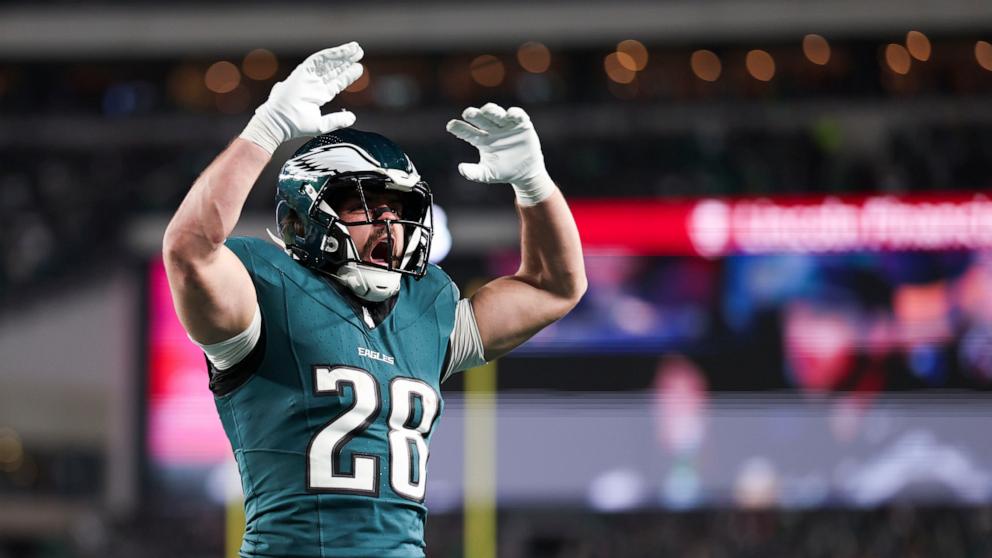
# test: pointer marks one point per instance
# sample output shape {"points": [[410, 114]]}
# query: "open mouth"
{"points": [[380, 253]]}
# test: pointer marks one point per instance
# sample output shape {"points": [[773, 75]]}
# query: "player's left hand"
{"points": [[509, 151]]}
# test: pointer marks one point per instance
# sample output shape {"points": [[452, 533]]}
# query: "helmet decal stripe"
{"points": [[340, 158]]}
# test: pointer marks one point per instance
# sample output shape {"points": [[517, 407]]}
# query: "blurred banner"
{"points": [[183, 427], [714, 227]]}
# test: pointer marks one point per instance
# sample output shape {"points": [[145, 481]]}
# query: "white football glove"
{"points": [[293, 107], [509, 151]]}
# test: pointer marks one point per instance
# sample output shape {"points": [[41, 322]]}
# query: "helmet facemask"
{"points": [[327, 244]]}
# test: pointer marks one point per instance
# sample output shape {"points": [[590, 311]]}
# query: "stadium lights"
{"points": [[983, 54], [898, 59], [260, 64], [817, 49], [441, 244], [632, 54], [222, 77], [706, 65], [11, 450], [918, 45], [186, 86], [617, 70], [534, 57], [622, 65], [487, 70], [760, 65]]}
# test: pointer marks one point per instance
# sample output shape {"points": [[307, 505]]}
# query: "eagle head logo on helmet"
{"points": [[343, 163]]}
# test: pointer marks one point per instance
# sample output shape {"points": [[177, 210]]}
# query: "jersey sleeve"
{"points": [[225, 354], [227, 380], [465, 344]]}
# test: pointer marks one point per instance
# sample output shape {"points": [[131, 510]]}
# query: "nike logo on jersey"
{"points": [[376, 355]]}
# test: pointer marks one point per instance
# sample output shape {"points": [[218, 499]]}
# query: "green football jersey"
{"points": [[331, 429]]}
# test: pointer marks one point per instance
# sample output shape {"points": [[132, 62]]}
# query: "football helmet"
{"points": [[350, 163]]}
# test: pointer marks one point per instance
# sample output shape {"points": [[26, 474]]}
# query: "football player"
{"points": [[327, 345]]}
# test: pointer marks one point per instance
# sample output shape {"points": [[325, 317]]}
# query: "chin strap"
{"points": [[357, 277], [360, 280], [350, 281]]}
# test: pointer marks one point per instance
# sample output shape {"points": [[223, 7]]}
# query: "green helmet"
{"points": [[351, 162]]}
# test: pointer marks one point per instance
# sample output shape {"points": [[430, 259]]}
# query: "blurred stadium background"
{"points": [[785, 350]]}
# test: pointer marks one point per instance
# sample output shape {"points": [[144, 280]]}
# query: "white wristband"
{"points": [[535, 190], [260, 132]]}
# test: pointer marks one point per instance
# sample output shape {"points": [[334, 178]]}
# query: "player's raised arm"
{"points": [[212, 292], [551, 279]]}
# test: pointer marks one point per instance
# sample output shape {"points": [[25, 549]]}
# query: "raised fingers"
{"points": [[477, 119], [328, 64], [348, 52], [494, 113], [492, 117], [347, 77], [516, 115], [467, 132]]}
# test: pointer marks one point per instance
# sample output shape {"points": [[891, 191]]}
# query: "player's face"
{"points": [[370, 240]]}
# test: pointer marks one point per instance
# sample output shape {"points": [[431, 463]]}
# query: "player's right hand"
{"points": [[293, 107]]}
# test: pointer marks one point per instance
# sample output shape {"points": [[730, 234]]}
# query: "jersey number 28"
{"points": [[406, 434]]}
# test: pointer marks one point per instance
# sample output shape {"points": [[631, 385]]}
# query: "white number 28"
{"points": [[324, 454]]}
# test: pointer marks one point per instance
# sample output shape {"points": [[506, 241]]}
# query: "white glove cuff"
{"points": [[261, 131], [534, 190]]}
